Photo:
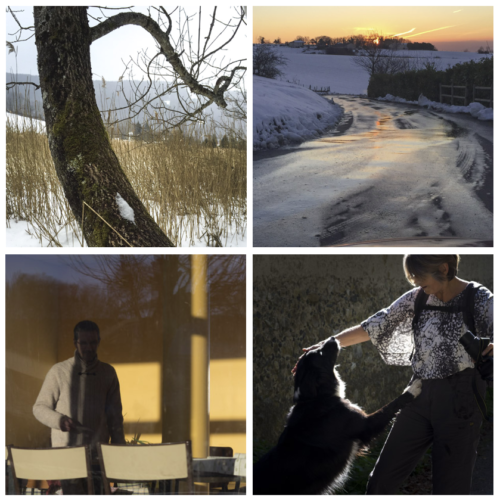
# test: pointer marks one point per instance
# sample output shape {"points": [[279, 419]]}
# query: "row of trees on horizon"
{"points": [[362, 41], [358, 41]]}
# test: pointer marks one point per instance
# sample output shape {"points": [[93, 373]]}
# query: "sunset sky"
{"points": [[448, 28]]}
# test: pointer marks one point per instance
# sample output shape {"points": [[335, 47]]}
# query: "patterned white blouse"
{"points": [[438, 354]]}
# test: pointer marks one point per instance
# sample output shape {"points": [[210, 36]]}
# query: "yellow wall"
{"points": [[228, 402], [140, 386]]}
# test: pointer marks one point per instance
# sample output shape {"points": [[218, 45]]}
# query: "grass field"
{"points": [[196, 193]]}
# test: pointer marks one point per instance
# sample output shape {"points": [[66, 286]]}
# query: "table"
{"points": [[220, 470]]}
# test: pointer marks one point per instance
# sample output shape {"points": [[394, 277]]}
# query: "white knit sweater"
{"points": [[89, 393]]}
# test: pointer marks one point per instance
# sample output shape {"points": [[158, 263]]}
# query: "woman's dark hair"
{"points": [[417, 266], [85, 326]]}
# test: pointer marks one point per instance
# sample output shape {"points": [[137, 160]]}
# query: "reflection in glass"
{"points": [[173, 328]]}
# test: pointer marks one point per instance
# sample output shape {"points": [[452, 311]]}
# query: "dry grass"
{"points": [[194, 192]]}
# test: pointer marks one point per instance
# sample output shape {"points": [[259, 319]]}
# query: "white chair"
{"points": [[146, 463], [57, 463]]}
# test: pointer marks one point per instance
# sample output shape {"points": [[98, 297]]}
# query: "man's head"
{"points": [[86, 339]]}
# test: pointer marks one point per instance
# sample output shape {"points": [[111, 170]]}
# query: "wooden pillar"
{"points": [[199, 357]]}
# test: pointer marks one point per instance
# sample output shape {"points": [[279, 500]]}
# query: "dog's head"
{"points": [[315, 375]]}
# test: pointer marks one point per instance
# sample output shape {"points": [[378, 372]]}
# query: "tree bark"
{"points": [[85, 163]]}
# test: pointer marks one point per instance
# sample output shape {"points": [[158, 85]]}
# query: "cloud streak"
{"points": [[399, 34], [430, 31]]}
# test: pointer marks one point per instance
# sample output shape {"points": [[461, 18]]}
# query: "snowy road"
{"points": [[387, 171]]}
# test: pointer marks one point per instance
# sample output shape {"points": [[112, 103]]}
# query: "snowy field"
{"points": [[23, 234], [25, 123], [344, 76], [285, 113]]}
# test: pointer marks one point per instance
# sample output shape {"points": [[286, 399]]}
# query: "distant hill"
{"points": [[27, 101]]}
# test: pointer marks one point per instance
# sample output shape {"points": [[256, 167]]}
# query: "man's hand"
{"points": [[488, 351], [68, 424]]}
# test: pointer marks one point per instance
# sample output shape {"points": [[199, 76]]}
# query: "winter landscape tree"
{"points": [[267, 61], [99, 193], [378, 56]]}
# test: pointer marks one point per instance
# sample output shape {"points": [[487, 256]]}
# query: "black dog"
{"points": [[324, 432]]}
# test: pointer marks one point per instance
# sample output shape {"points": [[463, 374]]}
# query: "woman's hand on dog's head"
{"points": [[305, 350]]}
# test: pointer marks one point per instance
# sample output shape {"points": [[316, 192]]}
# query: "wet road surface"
{"points": [[387, 171]]}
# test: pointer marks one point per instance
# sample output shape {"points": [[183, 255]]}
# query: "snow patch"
{"points": [[477, 110], [126, 211], [285, 113], [25, 123]]}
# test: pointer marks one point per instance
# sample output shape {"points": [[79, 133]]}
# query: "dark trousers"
{"points": [[446, 416]]}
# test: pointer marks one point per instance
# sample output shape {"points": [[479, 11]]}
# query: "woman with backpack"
{"points": [[422, 329]]}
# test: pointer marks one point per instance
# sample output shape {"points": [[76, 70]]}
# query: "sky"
{"points": [[56, 266], [448, 28], [108, 52]]}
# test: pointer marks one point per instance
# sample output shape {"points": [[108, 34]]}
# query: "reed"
{"points": [[194, 191]]}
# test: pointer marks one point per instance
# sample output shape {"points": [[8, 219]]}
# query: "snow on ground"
{"points": [[17, 236], [344, 76], [285, 113], [477, 110], [25, 123]]}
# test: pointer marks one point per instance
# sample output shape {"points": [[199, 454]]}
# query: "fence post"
{"points": [[452, 93], [440, 93]]}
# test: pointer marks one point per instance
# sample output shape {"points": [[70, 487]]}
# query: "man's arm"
{"points": [[46, 402], [114, 415]]}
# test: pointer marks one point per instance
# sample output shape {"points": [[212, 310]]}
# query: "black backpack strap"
{"points": [[468, 302], [420, 302]]}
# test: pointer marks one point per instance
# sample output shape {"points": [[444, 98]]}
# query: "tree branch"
{"points": [[11, 85], [215, 95]]}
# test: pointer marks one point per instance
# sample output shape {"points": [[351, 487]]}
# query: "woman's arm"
{"points": [[353, 335]]}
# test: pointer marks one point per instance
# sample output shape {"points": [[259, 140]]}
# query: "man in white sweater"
{"points": [[80, 397]]}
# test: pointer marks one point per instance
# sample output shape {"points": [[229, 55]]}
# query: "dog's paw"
{"points": [[415, 388]]}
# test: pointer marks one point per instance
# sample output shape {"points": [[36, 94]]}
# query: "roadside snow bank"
{"points": [[285, 113], [477, 110]]}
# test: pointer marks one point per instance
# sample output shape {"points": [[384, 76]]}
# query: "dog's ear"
{"points": [[306, 383]]}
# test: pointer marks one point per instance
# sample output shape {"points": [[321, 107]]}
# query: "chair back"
{"points": [[225, 452], [57, 463], [170, 461]]}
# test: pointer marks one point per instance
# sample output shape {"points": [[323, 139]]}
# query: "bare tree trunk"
{"points": [[84, 160]]}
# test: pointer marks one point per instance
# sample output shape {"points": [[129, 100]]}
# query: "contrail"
{"points": [[455, 11], [429, 31], [398, 34]]}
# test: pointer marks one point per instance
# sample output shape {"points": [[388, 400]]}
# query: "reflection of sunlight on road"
{"points": [[386, 171]]}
